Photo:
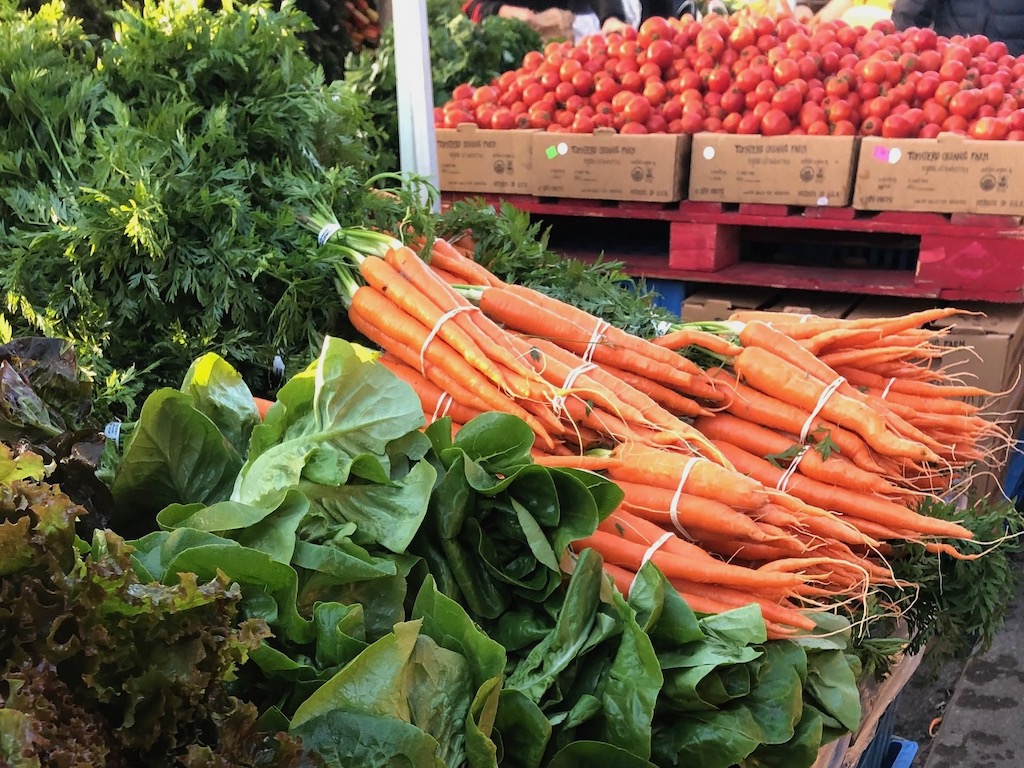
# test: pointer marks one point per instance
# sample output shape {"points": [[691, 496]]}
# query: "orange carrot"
{"points": [[849, 503], [392, 329], [769, 373], [436, 403], [692, 337]]}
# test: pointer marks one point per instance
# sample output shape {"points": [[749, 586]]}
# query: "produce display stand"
{"points": [[956, 257], [847, 752]]}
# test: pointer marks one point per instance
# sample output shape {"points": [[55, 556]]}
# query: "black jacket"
{"points": [[996, 19]]}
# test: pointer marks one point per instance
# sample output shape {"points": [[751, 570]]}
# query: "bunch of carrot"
{"points": [[702, 501]]}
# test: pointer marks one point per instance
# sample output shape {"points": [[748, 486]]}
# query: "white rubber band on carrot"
{"points": [[825, 395], [673, 507], [791, 470], [327, 232], [595, 339], [437, 327], [647, 556], [444, 404], [885, 392], [558, 401]]}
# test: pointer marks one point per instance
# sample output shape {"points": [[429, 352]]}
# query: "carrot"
{"points": [[866, 358], [743, 550], [393, 330], [772, 611], [574, 461], [487, 335], [761, 441], [691, 511], [692, 337], [449, 258], [445, 275], [628, 554], [262, 406], [389, 282], [704, 478], [520, 314], [921, 389], [644, 408], [615, 337], [769, 373], [843, 500], [760, 408], [791, 325], [672, 401]]}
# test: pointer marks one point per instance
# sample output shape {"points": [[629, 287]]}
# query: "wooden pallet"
{"points": [[951, 257]]}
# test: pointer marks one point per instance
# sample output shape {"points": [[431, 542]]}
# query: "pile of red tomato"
{"points": [[757, 76]]}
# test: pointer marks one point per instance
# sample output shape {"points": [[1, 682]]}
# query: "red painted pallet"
{"points": [[953, 257]]}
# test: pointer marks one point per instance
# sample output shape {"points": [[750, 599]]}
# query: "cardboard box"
{"points": [[815, 303], [609, 166], [472, 159], [949, 174], [777, 170], [718, 303]]}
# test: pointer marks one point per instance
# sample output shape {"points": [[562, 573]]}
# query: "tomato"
{"points": [[879, 107], [747, 80], [731, 122], [955, 124], [583, 83], [733, 100], [633, 128], [762, 109], [775, 123], [1017, 135], [872, 126], [992, 94], [719, 80], [563, 91], [934, 112], [765, 90], [660, 52], [709, 41], [531, 61], [810, 114], [838, 111], [945, 92], [786, 71], [655, 92], [989, 129], [637, 109], [749, 124], [656, 123], [604, 89], [996, 50], [569, 68], [1016, 120], [837, 87], [844, 128], [654, 29], [965, 103], [712, 125], [675, 127], [692, 123], [787, 100], [953, 71], [632, 81], [649, 71], [742, 37], [575, 103], [874, 71]]}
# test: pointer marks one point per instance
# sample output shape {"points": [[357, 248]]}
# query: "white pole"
{"points": [[417, 139]]}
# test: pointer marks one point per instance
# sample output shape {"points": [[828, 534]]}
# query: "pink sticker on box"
{"points": [[881, 154]]}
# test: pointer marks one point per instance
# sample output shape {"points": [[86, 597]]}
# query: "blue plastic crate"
{"points": [[668, 294], [901, 753]]}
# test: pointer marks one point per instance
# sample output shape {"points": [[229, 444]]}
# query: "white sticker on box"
{"points": [[563, 148], [709, 153], [822, 201]]}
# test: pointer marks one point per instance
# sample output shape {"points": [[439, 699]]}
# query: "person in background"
{"points": [[553, 22], [862, 13], [996, 19]]}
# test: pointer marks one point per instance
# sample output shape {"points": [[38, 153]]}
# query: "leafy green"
{"points": [[496, 520], [150, 186]]}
